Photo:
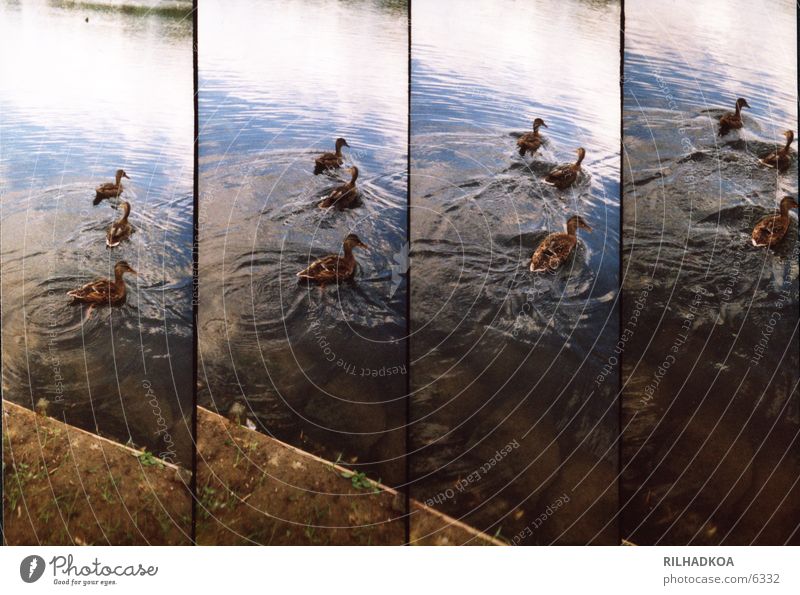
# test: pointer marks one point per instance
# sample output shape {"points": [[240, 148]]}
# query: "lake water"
{"points": [[710, 407], [504, 361], [321, 369], [79, 100]]}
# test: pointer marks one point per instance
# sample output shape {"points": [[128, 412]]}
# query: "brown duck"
{"points": [[564, 176], [104, 292], [111, 190], [780, 159], [556, 248], [334, 268], [732, 120], [771, 229], [531, 141], [344, 196], [328, 161], [120, 230]]}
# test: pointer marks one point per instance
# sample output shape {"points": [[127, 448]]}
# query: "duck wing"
{"points": [[770, 159], [108, 190], [528, 142], [770, 230], [325, 270], [116, 233], [562, 176], [729, 122], [326, 161], [341, 197], [552, 252], [778, 159], [98, 291]]}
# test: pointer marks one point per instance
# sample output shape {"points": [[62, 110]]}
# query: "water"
{"points": [[80, 100], [322, 369], [710, 408], [503, 358]]}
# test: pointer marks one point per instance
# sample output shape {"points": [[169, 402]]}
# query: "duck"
{"points": [[564, 176], [732, 120], [334, 268], [111, 190], [344, 196], [556, 248], [531, 141], [771, 229], [328, 161], [120, 230], [104, 292], [780, 159]]}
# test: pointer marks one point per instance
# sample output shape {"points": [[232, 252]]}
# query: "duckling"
{"points": [[110, 190], [771, 229], [344, 196], [120, 230], [556, 248], [531, 141], [236, 413], [732, 120], [780, 158], [103, 292], [330, 160], [564, 176], [42, 405], [334, 268]]}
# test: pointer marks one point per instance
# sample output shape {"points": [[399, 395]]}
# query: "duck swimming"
{"points": [[334, 268], [564, 176], [111, 190], [780, 159], [531, 141], [771, 229], [732, 120], [556, 248], [344, 196], [328, 161], [104, 292], [120, 230]]}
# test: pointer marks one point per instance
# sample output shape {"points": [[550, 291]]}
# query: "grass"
{"points": [[148, 459]]}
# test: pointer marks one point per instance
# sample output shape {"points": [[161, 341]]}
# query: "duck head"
{"points": [[340, 142], [126, 209], [121, 268], [787, 203], [740, 103], [121, 174], [575, 222], [581, 154], [789, 137], [538, 122], [353, 241]]}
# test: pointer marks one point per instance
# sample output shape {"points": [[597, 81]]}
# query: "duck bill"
{"points": [[363, 245], [126, 176]]}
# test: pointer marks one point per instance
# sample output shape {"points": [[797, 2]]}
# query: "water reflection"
{"points": [[508, 415], [321, 369], [710, 406], [89, 89]]}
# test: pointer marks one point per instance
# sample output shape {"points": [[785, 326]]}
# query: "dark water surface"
{"points": [[710, 407], [321, 369], [507, 420], [78, 101]]}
